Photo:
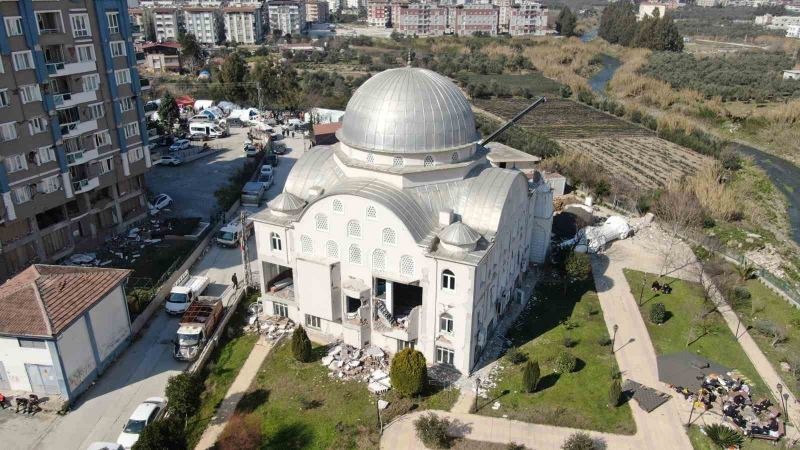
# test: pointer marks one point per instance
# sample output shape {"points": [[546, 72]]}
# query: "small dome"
{"points": [[408, 110], [286, 202], [459, 234]]}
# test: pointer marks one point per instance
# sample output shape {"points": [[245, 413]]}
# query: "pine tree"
{"points": [[614, 393], [566, 21], [168, 112], [301, 345], [409, 372], [530, 376]]}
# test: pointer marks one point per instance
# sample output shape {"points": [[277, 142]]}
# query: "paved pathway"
{"points": [[238, 388]]}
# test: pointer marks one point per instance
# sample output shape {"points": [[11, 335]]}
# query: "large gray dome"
{"points": [[408, 110]]}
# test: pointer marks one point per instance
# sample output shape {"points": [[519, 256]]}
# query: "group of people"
{"points": [[29, 405], [662, 288]]}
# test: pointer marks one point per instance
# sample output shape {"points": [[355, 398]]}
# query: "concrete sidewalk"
{"points": [[235, 393]]}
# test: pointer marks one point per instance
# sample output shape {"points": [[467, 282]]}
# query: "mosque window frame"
{"points": [[354, 255], [354, 229], [306, 244], [332, 249], [407, 266], [386, 233], [379, 260], [428, 161], [337, 206], [321, 222]]}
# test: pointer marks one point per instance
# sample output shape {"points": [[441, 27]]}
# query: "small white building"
{"points": [[60, 328], [793, 31], [403, 233], [792, 74], [651, 9]]}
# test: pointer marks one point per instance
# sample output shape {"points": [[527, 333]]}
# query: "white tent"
{"points": [[245, 115], [203, 104]]}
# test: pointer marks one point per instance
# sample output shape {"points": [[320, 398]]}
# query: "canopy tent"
{"points": [[184, 101], [687, 369]]}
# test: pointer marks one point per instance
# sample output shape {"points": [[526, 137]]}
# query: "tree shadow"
{"points": [[579, 365], [667, 315], [251, 400], [292, 436], [319, 352], [547, 381], [458, 428], [535, 320]]}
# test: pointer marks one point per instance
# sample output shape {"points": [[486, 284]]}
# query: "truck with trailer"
{"points": [[196, 327], [184, 292]]}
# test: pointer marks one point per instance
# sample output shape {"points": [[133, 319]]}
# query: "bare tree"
{"points": [[678, 212]]}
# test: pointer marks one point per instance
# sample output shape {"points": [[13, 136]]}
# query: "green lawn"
{"points": [[222, 369], [575, 399], [300, 406], [701, 442], [535, 81], [685, 302]]}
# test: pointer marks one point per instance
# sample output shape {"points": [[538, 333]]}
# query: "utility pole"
{"points": [[260, 104], [248, 274]]}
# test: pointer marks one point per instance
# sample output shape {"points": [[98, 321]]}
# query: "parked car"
{"points": [[265, 178], [252, 193], [146, 413], [160, 202], [170, 161], [266, 169], [271, 159], [279, 148], [180, 144], [250, 150], [275, 137]]}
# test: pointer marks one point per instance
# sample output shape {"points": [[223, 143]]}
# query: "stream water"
{"points": [[610, 65]]}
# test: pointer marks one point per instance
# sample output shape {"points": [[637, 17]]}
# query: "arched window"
{"points": [[322, 222], [397, 161], [448, 280], [370, 158], [306, 245], [389, 237], [407, 265], [379, 260], [331, 249], [354, 229], [338, 207], [428, 161], [446, 323], [372, 213], [275, 241], [355, 254], [454, 157]]}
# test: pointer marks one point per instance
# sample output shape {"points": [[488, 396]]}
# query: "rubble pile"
{"points": [[121, 250], [272, 327], [369, 364]]}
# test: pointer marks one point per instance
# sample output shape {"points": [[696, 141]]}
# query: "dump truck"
{"points": [[196, 327], [184, 292]]}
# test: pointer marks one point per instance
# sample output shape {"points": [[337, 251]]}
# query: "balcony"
{"points": [[144, 83], [140, 57], [68, 99], [77, 128], [85, 185], [81, 157], [49, 22]]}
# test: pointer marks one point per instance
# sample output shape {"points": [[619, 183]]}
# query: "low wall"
{"points": [[236, 295]]}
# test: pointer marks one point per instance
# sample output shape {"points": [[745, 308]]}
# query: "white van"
{"points": [[205, 129], [228, 236]]}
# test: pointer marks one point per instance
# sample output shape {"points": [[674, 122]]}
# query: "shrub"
{"points": [[408, 372], [565, 362], [614, 393], [569, 341], [166, 434], [183, 392], [615, 373], [578, 266], [658, 313], [723, 436], [565, 91], [768, 328], [301, 345], [580, 441], [603, 341], [585, 97], [530, 376], [432, 430], [515, 446], [650, 122], [570, 324], [515, 356], [709, 222], [740, 293], [636, 116], [756, 306], [241, 433]]}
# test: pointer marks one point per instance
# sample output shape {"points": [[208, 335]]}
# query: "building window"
{"points": [[389, 237], [372, 213], [379, 260], [49, 22], [37, 125], [51, 184], [30, 93], [22, 194], [123, 76], [80, 25], [275, 242], [131, 130], [331, 249], [407, 265], [402, 345], [454, 157], [321, 221], [113, 21], [31, 343], [280, 310], [448, 280], [126, 103], [428, 161], [45, 155], [14, 26], [135, 154], [91, 82], [15, 163], [85, 53], [444, 356], [96, 111], [117, 48], [106, 165], [337, 207], [446, 323], [5, 99], [355, 254], [370, 158], [306, 245], [22, 60], [8, 131], [397, 161], [354, 229], [102, 139], [313, 321]]}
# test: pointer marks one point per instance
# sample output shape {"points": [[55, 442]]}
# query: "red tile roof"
{"points": [[326, 128], [169, 44], [43, 300]]}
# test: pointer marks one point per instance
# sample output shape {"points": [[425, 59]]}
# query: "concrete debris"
{"points": [[345, 362], [496, 406], [271, 327]]}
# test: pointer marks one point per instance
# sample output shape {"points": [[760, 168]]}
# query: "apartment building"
{"points": [[379, 14], [167, 22], [201, 21], [527, 18], [316, 11], [72, 128], [244, 23], [287, 16], [464, 20], [421, 19]]}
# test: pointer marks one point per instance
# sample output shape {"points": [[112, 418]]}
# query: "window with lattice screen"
{"points": [[389, 237], [397, 161], [306, 245], [338, 207], [372, 213], [379, 260], [321, 221], [355, 254], [354, 229], [331, 249], [406, 265], [454, 157], [428, 161]]}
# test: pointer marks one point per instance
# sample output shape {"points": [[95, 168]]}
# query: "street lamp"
{"points": [[783, 402], [614, 338], [641, 291], [477, 392]]}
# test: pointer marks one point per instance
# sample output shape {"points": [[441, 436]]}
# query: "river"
{"points": [[610, 65]]}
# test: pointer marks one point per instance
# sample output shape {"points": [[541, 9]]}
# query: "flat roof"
{"points": [[502, 153]]}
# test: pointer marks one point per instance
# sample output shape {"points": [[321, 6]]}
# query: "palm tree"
{"points": [[724, 437], [746, 271]]}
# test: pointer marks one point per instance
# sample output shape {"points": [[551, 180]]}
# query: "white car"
{"points": [[180, 144], [266, 169], [105, 446], [161, 202], [170, 161], [146, 413]]}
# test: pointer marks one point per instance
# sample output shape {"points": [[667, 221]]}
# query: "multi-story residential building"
{"points": [[201, 21], [777, 22], [504, 14], [167, 23], [160, 57], [793, 31], [72, 128], [707, 3], [244, 23], [465, 20], [287, 16], [316, 11], [421, 19], [379, 14], [527, 18], [137, 16]]}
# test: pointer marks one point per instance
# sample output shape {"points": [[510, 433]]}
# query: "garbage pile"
{"points": [[121, 250], [369, 364]]}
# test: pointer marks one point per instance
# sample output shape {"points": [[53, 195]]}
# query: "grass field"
{"points": [[576, 399], [682, 305], [300, 406], [535, 81]]}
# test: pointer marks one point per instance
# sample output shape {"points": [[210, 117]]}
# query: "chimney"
{"points": [[445, 217]]}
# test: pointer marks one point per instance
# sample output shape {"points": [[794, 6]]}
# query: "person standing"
{"points": [[235, 281]]}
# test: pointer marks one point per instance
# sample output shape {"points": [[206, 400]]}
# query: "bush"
{"points": [[530, 376], [636, 116], [241, 433], [566, 91], [658, 313], [565, 362], [301, 345], [183, 393], [515, 356], [614, 393], [585, 97], [408, 372], [580, 441], [515, 446], [723, 436], [740, 293], [432, 430], [768, 328], [709, 222], [166, 434], [569, 341], [578, 266], [603, 341]]}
